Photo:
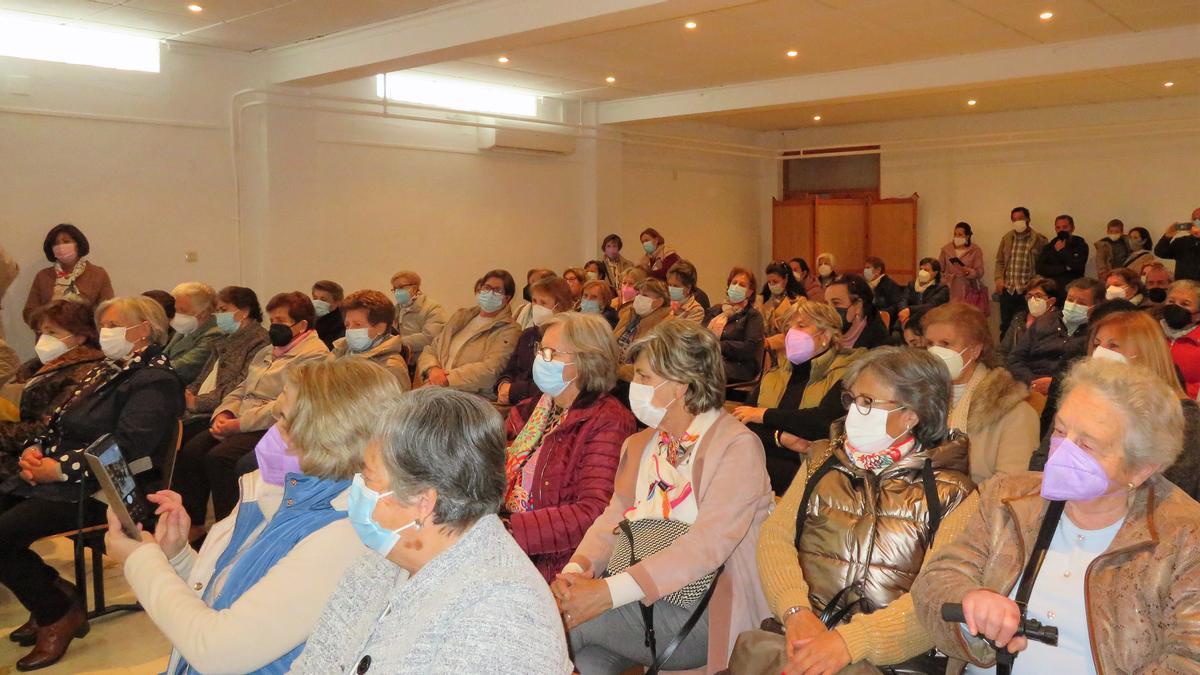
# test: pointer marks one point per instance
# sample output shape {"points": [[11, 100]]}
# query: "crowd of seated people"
{"points": [[616, 473]]}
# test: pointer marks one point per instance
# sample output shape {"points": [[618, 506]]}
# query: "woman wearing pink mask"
{"points": [[1117, 543], [70, 277], [797, 400], [223, 613]]}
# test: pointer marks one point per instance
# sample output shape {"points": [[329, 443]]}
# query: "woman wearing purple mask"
{"points": [[1118, 578], [223, 612], [69, 277], [798, 399]]}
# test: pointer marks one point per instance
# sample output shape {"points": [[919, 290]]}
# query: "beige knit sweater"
{"points": [[887, 636]]}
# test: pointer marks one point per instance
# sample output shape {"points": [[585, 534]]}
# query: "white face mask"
{"points": [[777, 289], [539, 315], [113, 343], [65, 253], [184, 323], [953, 360], [640, 402], [1037, 306], [1114, 237], [643, 305], [1020, 226], [868, 433], [49, 348], [960, 242], [825, 270], [1114, 293], [924, 276], [1106, 354], [869, 273]]}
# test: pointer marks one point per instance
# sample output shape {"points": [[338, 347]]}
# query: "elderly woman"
{"points": [[1116, 539], [444, 588], [477, 341], [564, 445], [659, 257], [681, 285], [649, 308], [369, 315], [627, 288], [70, 277], [986, 403], [1123, 283], [595, 270], [327, 299], [419, 318], [826, 269], [836, 564], [1041, 298], [221, 612], [133, 395], [696, 473], [575, 278], [239, 318], [1181, 323], [196, 331], [206, 464], [739, 327], [597, 299], [67, 350], [615, 264], [799, 399], [549, 297], [523, 312], [925, 292], [853, 299]]}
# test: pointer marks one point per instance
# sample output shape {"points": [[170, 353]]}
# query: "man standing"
{"points": [[1065, 258], [1181, 243], [1015, 263]]}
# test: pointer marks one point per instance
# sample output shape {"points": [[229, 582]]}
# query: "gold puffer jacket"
{"points": [[873, 530]]}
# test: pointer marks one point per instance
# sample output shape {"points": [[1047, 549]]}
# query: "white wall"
{"points": [[1135, 161]]}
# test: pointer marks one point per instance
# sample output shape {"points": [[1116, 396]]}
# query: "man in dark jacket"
{"points": [[327, 301], [1183, 246], [887, 291], [1065, 257]]}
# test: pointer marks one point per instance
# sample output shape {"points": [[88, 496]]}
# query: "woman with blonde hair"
{"points": [[290, 533], [798, 400], [650, 307], [627, 287]]}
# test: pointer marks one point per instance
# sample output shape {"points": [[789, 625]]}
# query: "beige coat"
{"points": [[733, 496], [386, 354], [419, 323], [1002, 426], [1142, 595], [645, 325], [253, 401], [480, 359], [689, 310]]}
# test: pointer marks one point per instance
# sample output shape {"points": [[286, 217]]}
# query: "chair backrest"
{"points": [[887, 319], [1037, 401], [166, 461]]}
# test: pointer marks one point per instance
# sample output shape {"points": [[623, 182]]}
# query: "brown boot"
{"points": [[26, 635], [53, 640]]}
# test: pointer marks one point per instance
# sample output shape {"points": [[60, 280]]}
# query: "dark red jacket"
{"points": [[574, 478]]}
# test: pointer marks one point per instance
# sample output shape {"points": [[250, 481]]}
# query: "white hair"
{"points": [[203, 297]]}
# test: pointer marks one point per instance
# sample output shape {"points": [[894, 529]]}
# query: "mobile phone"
{"points": [[121, 491], [1183, 227]]}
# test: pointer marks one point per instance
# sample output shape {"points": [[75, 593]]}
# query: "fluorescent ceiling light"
{"points": [[448, 92], [43, 41]]}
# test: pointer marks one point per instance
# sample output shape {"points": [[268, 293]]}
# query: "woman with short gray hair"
{"points": [[1115, 539], [196, 331], [673, 554], [444, 588], [842, 548]]}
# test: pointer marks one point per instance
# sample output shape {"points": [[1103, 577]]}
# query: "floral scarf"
{"points": [[878, 462], [64, 282], [518, 467]]}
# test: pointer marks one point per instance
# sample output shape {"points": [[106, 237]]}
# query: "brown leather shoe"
{"points": [[26, 635], [53, 640]]}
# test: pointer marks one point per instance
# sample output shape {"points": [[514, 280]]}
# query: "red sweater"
{"points": [[1185, 352], [574, 477]]}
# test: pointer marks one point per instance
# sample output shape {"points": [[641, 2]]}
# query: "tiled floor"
{"points": [[125, 644]]}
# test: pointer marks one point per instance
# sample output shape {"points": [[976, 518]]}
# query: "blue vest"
{"points": [[305, 509]]}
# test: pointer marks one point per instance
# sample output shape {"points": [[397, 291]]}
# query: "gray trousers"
{"points": [[615, 641]]}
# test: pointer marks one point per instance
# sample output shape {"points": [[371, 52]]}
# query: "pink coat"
{"points": [[733, 495], [960, 278]]}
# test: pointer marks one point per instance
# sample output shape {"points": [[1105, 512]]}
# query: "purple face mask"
{"points": [[800, 346], [274, 461], [1071, 474]]}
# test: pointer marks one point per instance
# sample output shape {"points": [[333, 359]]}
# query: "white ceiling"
{"points": [[241, 25]]}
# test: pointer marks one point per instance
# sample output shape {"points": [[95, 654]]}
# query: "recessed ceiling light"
{"points": [[610, 79], [1168, 84], [691, 25], [971, 101], [503, 59], [1046, 16], [816, 118], [792, 53], [195, 9]]}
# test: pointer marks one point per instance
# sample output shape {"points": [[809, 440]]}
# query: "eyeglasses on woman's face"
{"points": [[863, 403]]}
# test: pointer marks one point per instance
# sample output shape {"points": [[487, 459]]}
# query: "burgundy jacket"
{"points": [[575, 473]]}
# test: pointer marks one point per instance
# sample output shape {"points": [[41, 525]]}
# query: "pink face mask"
{"points": [[628, 293], [1071, 474], [800, 346], [65, 253], [274, 461]]}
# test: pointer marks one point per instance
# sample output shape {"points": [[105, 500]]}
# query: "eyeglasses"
{"points": [[863, 403], [548, 353]]}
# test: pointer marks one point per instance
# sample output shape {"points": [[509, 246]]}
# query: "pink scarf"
{"points": [[856, 329], [280, 351]]}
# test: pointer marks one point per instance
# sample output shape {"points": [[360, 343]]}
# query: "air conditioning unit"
{"points": [[526, 141]]}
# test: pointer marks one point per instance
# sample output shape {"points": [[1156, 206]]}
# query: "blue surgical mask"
{"points": [[357, 339], [589, 306], [403, 297], [736, 293], [489, 301], [1074, 314], [361, 516], [321, 307], [548, 376], [676, 293], [649, 247], [226, 323]]}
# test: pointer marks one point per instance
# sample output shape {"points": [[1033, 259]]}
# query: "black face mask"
{"points": [[1176, 317], [842, 313], [1157, 295], [280, 334], [1064, 235]]}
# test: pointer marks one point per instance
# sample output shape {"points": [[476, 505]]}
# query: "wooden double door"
{"points": [[851, 229]]}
